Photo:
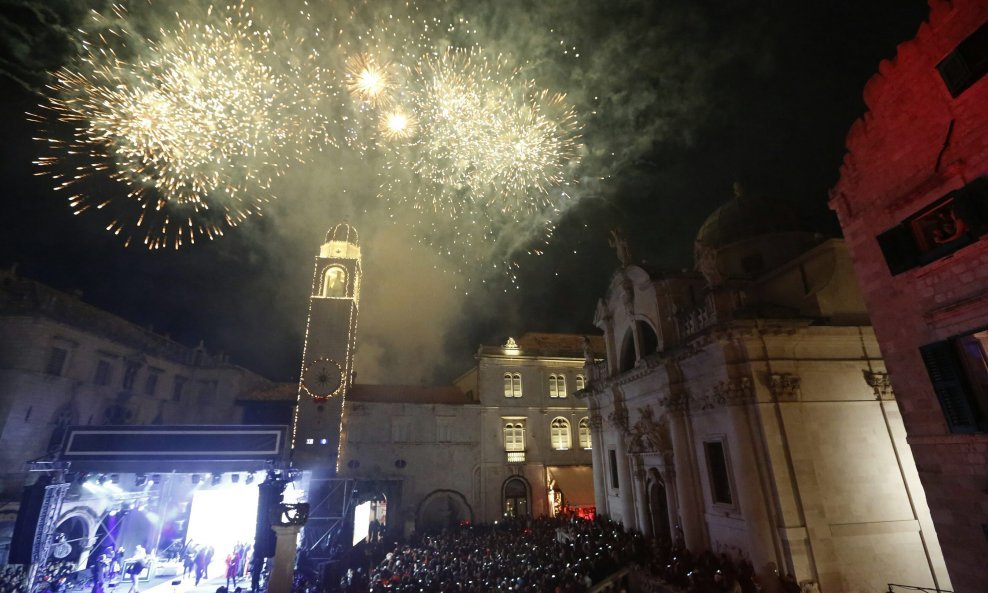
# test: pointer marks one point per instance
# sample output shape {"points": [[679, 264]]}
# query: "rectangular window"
{"points": [[612, 462], [151, 382], [178, 386], [514, 436], [557, 386], [967, 63], [130, 374], [720, 483], [512, 385], [102, 376], [56, 360], [950, 223], [958, 369]]}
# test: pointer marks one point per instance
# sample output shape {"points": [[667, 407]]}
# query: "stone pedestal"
{"points": [[283, 565]]}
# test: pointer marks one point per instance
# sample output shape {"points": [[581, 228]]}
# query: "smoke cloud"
{"points": [[649, 81]]}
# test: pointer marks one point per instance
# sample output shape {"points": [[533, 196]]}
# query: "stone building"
{"points": [[534, 436], [912, 199], [746, 409], [64, 362], [508, 436]]}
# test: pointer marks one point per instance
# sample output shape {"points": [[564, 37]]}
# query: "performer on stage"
{"points": [[136, 567]]}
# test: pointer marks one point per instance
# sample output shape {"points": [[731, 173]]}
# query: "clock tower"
{"points": [[327, 358]]}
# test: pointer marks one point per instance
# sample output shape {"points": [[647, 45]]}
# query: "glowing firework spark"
{"points": [[197, 123], [478, 158], [486, 138], [368, 81], [398, 124]]}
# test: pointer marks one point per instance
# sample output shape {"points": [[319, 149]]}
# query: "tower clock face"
{"points": [[323, 378]]}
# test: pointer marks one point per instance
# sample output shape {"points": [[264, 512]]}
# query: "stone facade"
{"points": [[911, 200], [745, 409], [439, 453], [549, 368], [64, 362]]}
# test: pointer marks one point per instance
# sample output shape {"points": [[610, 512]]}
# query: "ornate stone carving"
{"points": [[705, 257], [619, 242], [647, 434], [703, 402], [881, 383], [678, 402], [734, 392], [784, 387], [619, 417]]}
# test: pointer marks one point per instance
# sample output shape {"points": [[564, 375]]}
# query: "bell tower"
{"points": [[327, 358]]}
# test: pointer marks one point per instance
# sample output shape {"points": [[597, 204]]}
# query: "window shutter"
{"points": [[948, 381], [899, 248], [972, 205]]}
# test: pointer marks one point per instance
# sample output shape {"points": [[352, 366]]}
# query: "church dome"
{"points": [[746, 216], [341, 241], [342, 232], [748, 236]]}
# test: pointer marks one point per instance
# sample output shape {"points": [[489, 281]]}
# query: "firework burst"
{"points": [[196, 122], [486, 139]]}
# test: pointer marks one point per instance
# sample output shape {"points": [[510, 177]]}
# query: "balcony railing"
{"points": [[516, 456]]}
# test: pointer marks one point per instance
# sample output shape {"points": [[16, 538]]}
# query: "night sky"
{"points": [[679, 99]]}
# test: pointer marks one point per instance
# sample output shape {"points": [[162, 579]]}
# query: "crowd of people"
{"points": [[12, 578], [564, 555]]}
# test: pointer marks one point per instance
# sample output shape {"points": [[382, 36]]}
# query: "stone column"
{"points": [[688, 493], [641, 495], [619, 419], [597, 454], [283, 564]]}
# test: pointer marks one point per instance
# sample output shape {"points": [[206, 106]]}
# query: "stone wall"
{"points": [[914, 146]]}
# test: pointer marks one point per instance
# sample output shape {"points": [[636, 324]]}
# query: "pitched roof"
{"points": [[550, 344]]}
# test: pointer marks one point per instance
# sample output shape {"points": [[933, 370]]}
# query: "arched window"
{"points": [[512, 384], [334, 282], [627, 359], [514, 436], [559, 434], [557, 386], [646, 335], [581, 382], [585, 442]]}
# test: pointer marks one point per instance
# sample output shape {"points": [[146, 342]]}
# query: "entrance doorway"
{"points": [[515, 498], [658, 506]]}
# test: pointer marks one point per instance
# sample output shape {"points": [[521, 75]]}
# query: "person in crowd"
{"points": [[135, 566], [188, 559], [100, 569], [232, 562], [209, 560], [201, 563]]}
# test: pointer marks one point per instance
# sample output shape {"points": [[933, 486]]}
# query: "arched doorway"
{"points": [[74, 533], [515, 498], [443, 509], [658, 506]]}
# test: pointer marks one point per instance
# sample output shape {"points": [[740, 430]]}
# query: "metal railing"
{"points": [[516, 456]]}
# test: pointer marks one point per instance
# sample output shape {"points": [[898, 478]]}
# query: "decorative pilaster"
{"points": [[784, 387]]}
